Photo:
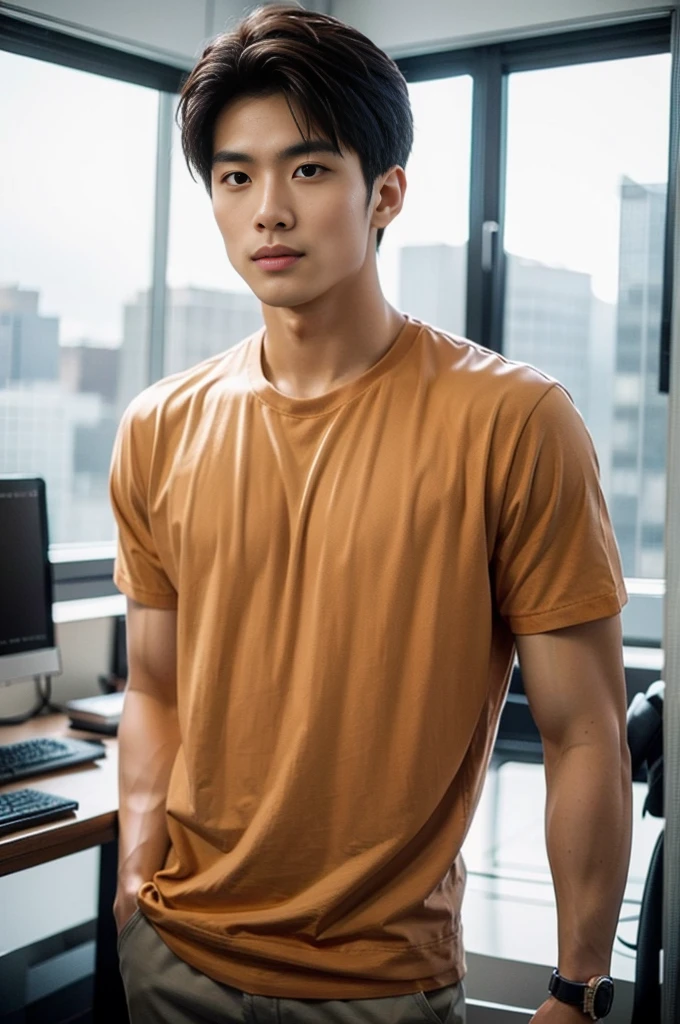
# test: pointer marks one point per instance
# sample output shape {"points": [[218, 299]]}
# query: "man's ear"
{"points": [[388, 197]]}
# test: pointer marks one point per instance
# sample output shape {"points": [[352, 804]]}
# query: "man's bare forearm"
{"points": [[588, 832], [147, 746]]}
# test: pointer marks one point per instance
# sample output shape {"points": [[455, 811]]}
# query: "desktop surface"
{"points": [[93, 785]]}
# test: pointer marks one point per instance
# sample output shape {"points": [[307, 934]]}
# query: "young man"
{"points": [[332, 538]]}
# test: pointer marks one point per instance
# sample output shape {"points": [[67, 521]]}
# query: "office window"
{"points": [[423, 256], [77, 183], [209, 307], [587, 168]]}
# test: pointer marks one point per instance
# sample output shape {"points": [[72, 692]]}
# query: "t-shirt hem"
{"points": [[601, 607], [309, 984], [153, 599]]}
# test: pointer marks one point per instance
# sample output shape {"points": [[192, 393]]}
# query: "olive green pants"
{"points": [[162, 989]]}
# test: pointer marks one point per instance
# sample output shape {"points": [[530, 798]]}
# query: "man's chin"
{"points": [[283, 304], [285, 298]]}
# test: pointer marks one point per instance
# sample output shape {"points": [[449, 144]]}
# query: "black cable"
{"points": [[624, 942], [47, 697]]}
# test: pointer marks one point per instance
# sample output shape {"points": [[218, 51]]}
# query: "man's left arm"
{"points": [[574, 681]]}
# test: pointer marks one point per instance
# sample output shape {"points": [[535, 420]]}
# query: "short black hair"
{"points": [[344, 86]]}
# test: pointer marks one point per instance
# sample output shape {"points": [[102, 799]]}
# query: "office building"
{"points": [[203, 322], [38, 431], [133, 371], [640, 411], [552, 321], [199, 323], [57, 420], [29, 341], [93, 370], [548, 323], [90, 369], [601, 377], [432, 284]]}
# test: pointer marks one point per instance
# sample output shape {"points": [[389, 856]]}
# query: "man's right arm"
{"points": [[148, 739]]}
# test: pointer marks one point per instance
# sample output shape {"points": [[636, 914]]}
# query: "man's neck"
{"points": [[310, 351]]}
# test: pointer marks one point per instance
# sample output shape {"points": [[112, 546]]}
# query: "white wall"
{"points": [[175, 30], [170, 30], [402, 27]]}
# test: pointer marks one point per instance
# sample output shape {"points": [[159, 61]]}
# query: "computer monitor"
{"points": [[27, 646]]}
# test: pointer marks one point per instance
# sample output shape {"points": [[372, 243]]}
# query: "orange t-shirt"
{"points": [[348, 571]]}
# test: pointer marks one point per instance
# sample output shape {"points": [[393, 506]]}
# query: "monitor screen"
{"points": [[27, 644]]}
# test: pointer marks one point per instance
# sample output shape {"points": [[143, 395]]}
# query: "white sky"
{"points": [[77, 170]]}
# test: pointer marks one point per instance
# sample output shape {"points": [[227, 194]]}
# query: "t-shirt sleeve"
{"points": [[555, 561], [138, 570]]}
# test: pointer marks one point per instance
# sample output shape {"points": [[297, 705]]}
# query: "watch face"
{"points": [[604, 997]]}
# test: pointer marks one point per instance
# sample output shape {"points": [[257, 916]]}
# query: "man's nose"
{"points": [[274, 209]]}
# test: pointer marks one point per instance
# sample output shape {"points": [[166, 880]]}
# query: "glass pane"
{"points": [[209, 306], [423, 256], [77, 179], [585, 206]]}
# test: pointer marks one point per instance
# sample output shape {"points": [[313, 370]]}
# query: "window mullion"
{"points": [[157, 297], [485, 247], [670, 251]]}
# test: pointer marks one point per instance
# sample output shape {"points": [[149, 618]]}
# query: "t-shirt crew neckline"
{"points": [[331, 400]]}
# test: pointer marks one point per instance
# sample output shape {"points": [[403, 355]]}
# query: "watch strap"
{"points": [[593, 998], [570, 992]]}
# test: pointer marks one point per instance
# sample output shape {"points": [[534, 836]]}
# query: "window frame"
{"points": [[87, 571], [84, 572], [490, 67]]}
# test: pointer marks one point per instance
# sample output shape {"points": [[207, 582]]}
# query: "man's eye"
{"points": [[308, 170], [236, 174]]}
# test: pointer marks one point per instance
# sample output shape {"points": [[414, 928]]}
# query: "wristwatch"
{"points": [[595, 997]]}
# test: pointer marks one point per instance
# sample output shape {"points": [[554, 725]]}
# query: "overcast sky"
{"points": [[77, 169]]}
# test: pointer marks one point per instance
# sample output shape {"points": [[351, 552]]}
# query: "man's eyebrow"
{"points": [[309, 148]]}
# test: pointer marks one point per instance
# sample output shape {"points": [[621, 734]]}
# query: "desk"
{"points": [[95, 823]]}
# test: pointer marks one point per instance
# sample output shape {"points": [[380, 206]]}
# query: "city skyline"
{"points": [[639, 422], [552, 319], [78, 208]]}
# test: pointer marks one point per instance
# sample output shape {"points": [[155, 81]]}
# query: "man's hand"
{"points": [[552, 1011]]}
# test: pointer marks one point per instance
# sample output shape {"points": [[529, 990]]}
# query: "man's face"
{"points": [[270, 189]]}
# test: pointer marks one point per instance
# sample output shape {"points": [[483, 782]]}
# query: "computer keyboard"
{"points": [[36, 756], [25, 807]]}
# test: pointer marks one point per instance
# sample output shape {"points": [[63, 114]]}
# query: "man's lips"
{"points": [[279, 257], [272, 251]]}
